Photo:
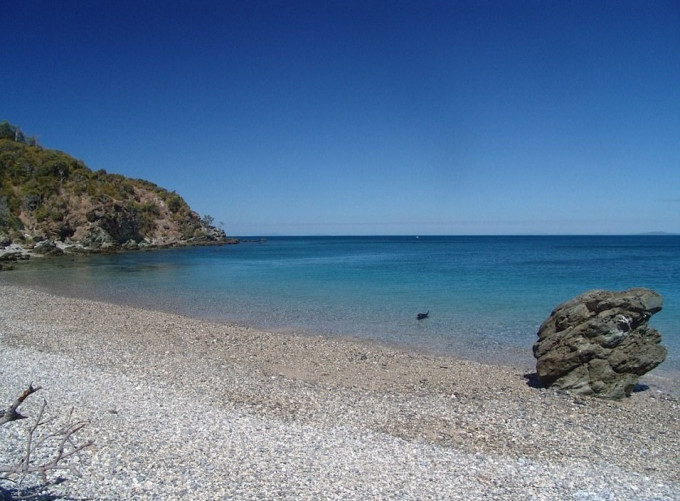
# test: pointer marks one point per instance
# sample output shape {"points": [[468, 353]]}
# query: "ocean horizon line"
{"points": [[427, 235]]}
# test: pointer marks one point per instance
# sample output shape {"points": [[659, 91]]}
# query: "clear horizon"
{"points": [[425, 235], [365, 118]]}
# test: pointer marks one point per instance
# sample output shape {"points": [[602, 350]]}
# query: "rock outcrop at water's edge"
{"points": [[599, 343]]}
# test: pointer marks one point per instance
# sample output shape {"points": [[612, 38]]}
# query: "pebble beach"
{"points": [[181, 408]]}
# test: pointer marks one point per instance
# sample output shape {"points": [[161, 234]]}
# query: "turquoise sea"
{"points": [[486, 295]]}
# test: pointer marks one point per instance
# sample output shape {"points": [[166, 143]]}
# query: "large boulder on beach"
{"points": [[599, 343]]}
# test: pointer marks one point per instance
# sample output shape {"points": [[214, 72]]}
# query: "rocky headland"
{"points": [[51, 204]]}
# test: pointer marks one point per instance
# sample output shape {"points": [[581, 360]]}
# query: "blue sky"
{"points": [[365, 117]]}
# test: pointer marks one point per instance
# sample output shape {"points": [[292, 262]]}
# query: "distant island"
{"points": [[658, 233], [52, 203]]}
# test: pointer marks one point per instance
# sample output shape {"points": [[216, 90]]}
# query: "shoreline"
{"points": [[661, 379], [15, 253], [496, 432], [456, 333]]}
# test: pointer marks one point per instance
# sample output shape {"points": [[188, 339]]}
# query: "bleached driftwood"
{"points": [[43, 452]]}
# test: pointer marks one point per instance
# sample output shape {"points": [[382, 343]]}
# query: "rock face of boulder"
{"points": [[599, 343]]}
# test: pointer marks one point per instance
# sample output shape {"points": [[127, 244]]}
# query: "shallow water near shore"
{"points": [[486, 296]]}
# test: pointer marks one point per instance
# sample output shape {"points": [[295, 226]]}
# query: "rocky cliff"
{"points": [[53, 203]]}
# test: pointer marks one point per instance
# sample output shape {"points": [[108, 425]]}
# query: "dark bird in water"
{"points": [[423, 315]]}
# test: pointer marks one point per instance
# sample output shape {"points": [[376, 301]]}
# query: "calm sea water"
{"points": [[486, 296]]}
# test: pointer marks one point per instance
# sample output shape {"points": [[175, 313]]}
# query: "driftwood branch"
{"points": [[12, 414], [46, 451]]}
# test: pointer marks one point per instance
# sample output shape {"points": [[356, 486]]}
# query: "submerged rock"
{"points": [[599, 343]]}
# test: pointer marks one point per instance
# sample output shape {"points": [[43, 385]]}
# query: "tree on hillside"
{"points": [[7, 131], [14, 133]]}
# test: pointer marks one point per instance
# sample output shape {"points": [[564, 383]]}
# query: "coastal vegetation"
{"points": [[52, 201]]}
